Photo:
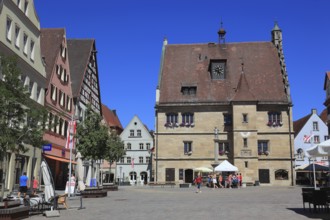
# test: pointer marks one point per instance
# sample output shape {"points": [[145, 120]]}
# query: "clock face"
{"points": [[218, 70]]}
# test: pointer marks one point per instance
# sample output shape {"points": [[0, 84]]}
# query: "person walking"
{"points": [[240, 179], [23, 184], [214, 180], [220, 181], [35, 185], [198, 182]]}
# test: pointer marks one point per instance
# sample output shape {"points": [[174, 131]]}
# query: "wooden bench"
{"points": [[10, 210], [94, 192], [110, 187]]}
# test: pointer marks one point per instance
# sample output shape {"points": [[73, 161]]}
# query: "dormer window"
{"points": [[218, 69], [188, 90]]}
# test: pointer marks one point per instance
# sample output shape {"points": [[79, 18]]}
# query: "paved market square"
{"points": [[144, 202]]}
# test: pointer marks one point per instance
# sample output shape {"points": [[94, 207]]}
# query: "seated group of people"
{"points": [[228, 181]]}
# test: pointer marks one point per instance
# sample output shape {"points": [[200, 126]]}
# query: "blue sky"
{"points": [[129, 36]]}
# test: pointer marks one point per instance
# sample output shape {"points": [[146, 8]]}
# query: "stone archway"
{"points": [[144, 178], [132, 177]]}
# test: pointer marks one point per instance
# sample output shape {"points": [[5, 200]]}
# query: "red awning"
{"points": [[59, 159]]}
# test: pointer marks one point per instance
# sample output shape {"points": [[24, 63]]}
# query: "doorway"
{"points": [[189, 176]]}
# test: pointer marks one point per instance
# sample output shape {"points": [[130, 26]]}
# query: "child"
{"points": [[35, 185]]}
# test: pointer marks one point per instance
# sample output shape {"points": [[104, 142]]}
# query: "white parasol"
{"points": [[80, 172], [225, 166], [49, 190]]}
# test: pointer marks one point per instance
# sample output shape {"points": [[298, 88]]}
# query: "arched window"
{"points": [[281, 174]]}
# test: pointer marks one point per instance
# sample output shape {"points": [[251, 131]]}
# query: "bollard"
{"points": [[81, 205]]}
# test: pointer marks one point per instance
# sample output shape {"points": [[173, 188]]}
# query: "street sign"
{"points": [[47, 147]]}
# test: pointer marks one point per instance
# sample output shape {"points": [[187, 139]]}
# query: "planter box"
{"points": [[185, 185], [94, 192]]}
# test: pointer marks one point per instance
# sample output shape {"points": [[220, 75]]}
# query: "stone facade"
{"points": [[238, 118]]}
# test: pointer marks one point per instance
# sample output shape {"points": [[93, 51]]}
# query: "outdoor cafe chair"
{"points": [[320, 200], [307, 196]]}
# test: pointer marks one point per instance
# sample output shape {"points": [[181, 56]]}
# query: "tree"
{"points": [[20, 119], [115, 150], [92, 136]]}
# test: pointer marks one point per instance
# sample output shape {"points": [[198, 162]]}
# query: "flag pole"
{"points": [[70, 164]]}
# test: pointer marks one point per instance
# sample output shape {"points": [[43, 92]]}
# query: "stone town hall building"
{"points": [[224, 101]]}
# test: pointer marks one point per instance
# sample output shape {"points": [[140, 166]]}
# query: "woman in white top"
{"points": [[214, 179]]}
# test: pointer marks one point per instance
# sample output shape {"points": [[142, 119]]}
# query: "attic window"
{"points": [[189, 90]]}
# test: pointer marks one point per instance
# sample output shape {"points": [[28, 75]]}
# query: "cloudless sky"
{"points": [[129, 36]]}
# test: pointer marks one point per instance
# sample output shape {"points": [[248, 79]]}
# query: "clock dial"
{"points": [[218, 70]]}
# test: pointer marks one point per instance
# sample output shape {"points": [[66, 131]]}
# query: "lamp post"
{"points": [[120, 169], [216, 150]]}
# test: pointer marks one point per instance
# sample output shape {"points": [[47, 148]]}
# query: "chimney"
{"points": [[114, 112], [314, 111]]}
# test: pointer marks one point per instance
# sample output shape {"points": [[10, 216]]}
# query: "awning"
{"points": [[59, 159]]}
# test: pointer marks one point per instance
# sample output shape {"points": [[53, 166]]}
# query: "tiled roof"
{"points": [[324, 116], [51, 40], [189, 64], [111, 117], [79, 51]]}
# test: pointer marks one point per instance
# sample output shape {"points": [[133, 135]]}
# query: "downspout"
{"points": [[156, 159], [290, 141]]}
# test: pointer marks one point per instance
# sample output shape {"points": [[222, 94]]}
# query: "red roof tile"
{"points": [[111, 118], [189, 64]]}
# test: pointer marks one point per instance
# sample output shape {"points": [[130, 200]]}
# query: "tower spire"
{"points": [[221, 34]]}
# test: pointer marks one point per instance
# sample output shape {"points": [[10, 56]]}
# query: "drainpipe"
{"points": [[290, 141], [156, 159]]}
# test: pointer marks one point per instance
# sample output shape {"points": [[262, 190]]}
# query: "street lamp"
{"points": [[120, 169], [216, 150]]}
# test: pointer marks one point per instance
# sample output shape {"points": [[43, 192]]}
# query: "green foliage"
{"points": [[115, 148], [92, 136], [20, 118]]}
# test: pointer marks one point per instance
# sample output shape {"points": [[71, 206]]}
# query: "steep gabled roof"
{"points": [[79, 51], [327, 77], [51, 40], [300, 123], [324, 116], [189, 64], [111, 117], [243, 92]]}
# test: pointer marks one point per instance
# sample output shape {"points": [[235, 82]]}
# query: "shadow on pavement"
{"points": [[321, 214]]}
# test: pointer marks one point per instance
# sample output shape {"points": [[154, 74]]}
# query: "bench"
{"points": [[94, 192], [11, 210], [161, 184], [248, 183], [110, 187]]}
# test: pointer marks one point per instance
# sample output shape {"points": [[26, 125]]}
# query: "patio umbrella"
{"points": [[319, 150], [80, 172], [49, 189], [311, 166], [203, 169], [225, 166]]}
